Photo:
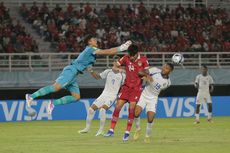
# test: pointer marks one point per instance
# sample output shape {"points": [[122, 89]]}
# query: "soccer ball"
{"points": [[178, 58]]}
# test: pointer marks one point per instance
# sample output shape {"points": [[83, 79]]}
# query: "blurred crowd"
{"points": [[13, 36], [159, 29]]}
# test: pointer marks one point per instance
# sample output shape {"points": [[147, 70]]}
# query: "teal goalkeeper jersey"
{"points": [[86, 58]]}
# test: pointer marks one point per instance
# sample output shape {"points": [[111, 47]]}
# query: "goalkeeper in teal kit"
{"points": [[67, 79]]}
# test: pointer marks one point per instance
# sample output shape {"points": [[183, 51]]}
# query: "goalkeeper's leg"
{"points": [[42, 92]]}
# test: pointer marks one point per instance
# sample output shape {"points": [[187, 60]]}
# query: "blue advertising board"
{"points": [[15, 110]]}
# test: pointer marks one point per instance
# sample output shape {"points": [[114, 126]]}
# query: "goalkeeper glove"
{"points": [[124, 46]]}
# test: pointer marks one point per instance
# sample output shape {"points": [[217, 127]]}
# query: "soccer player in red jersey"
{"points": [[131, 89]]}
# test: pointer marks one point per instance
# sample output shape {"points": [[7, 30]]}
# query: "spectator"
{"points": [[62, 47], [70, 9], [218, 22], [160, 29], [44, 9], [34, 46], [87, 9], [196, 47], [34, 7], [13, 36]]}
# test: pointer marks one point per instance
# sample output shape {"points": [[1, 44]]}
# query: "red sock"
{"points": [[130, 120], [115, 118]]}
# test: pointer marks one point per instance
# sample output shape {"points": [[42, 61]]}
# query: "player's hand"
{"points": [[147, 78], [90, 69], [125, 46], [211, 90], [196, 85]]}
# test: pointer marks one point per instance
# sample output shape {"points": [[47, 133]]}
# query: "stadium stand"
{"points": [[159, 29], [13, 36]]}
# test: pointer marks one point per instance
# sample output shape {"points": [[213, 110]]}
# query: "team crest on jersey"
{"points": [[139, 63]]}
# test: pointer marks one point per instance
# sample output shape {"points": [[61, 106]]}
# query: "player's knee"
{"points": [[102, 110], [102, 113], [151, 116], [91, 111], [76, 96], [94, 107], [132, 105], [150, 120], [138, 111], [118, 107], [57, 87], [105, 107], [136, 114]]}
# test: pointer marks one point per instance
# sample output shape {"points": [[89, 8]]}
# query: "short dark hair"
{"points": [[204, 66], [87, 38], [171, 66], [133, 50]]}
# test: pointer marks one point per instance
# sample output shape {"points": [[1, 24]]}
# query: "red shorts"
{"points": [[131, 94]]}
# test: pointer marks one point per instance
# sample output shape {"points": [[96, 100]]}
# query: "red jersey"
{"points": [[132, 68]]}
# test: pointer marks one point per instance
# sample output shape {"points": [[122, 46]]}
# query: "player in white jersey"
{"points": [[204, 84], [114, 80], [157, 80]]}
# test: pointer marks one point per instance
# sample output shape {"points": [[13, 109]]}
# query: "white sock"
{"points": [[197, 116], [111, 130], [149, 129], [102, 119], [209, 115], [127, 132], [138, 123], [89, 118]]}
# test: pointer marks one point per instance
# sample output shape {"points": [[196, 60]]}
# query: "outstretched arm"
{"points": [[196, 85], [147, 78], [113, 51], [211, 84], [144, 75]]}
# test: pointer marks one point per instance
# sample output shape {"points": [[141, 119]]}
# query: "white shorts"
{"points": [[149, 103], [203, 97], [104, 100]]}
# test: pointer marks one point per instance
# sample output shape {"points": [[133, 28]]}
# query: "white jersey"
{"points": [[159, 83], [113, 82], [203, 83]]}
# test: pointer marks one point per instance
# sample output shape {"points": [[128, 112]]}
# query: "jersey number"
{"points": [[157, 86], [131, 68], [113, 81]]}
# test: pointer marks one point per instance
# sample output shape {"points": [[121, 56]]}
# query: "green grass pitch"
{"points": [[169, 136]]}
